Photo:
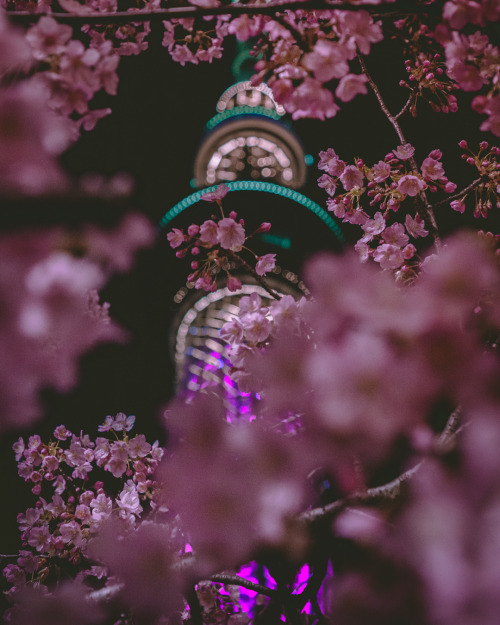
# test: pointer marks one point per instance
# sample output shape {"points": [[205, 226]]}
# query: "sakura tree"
{"points": [[364, 486]]}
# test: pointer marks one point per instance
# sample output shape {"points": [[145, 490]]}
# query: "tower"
{"points": [[250, 146]]}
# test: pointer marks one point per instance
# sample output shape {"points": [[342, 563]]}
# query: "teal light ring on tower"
{"points": [[238, 111], [257, 185]]}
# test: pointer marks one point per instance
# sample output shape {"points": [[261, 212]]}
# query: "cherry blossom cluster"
{"points": [[389, 183], [304, 55], [252, 329], [427, 80], [255, 485], [32, 136], [188, 44], [301, 51], [75, 72], [221, 240], [52, 314], [459, 13], [69, 477], [378, 358], [438, 555], [307, 50], [486, 190], [473, 62]]}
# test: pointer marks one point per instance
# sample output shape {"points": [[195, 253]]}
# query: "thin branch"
{"points": [[450, 429], [388, 491], [233, 9], [104, 594], [405, 107], [236, 580], [381, 102], [8, 556], [423, 207], [392, 489], [460, 194], [259, 279]]}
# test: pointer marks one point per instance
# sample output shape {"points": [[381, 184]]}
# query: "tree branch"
{"points": [[423, 206], [236, 580], [253, 273], [460, 194], [388, 491], [233, 9], [405, 107]]}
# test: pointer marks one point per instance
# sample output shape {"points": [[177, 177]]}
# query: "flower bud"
{"points": [[265, 226]]}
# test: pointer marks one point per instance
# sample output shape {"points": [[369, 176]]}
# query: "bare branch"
{"points": [[233, 9], [388, 491], [259, 279], [460, 194], [405, 107], [236, 580], [104, 594]]}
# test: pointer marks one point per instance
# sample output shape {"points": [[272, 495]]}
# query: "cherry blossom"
{"points": [[376, 371]]}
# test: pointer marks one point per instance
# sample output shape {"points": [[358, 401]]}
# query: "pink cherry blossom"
{"points": [[351, 177], [389, 256], [350, 86], [432, 169], [205, 283], [381, 171], [326, 61], [404, 152], [286, 312], [415, 227], [359, 29], [411, 185], [232, 332], [48, 37], [395, 235], [374, 226], [233, 283], [250, 303], [309, 99], [265, 264], [327, 183], [458, 205], [128, 501], [176, 238], [246, 26], [331, 163], [209, 232], [213, 196], [230, 234], [256, 327]]}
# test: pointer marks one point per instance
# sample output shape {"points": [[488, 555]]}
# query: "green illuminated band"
{"points": [[257, 185], [241, 110]]}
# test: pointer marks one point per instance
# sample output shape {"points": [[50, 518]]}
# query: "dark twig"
{"points": [[389, 491], [405, 107], [450, 429], [233, 9], [236, 580], [259, 279], [460, 194]]}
